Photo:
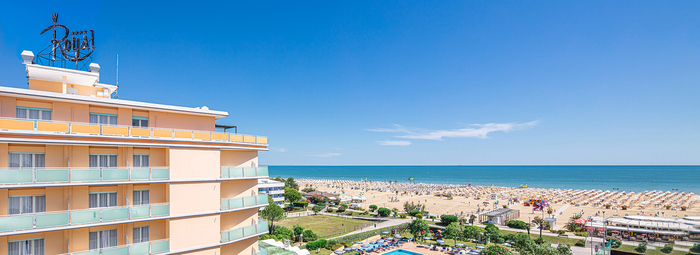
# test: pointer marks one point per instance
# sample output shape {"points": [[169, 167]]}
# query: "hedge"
{"points": [[447, 219]]}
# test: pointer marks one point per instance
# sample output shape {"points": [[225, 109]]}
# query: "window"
{"points": [[103, 239], [27, 160], [139, 121], [26, 247], [141, 197], [142, 160], [141, 234], [26, 204], [33, 113], [101, 118], [103, 199], [98, 160]]}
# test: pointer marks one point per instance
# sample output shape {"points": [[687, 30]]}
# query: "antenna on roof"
{"points": [[116, 93]]}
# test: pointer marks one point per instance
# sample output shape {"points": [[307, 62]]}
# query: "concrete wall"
{"points": [[238, 158], [194, 231]]}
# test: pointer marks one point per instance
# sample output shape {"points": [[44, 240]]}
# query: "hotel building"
{"points": [[83, 173], [274, 189]]}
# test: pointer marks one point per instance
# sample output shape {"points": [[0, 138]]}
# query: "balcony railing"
{"points": [[237, 233], [240, 202], [81, 175], [17, 222], [152, 247], [241, 172], [60, 127]]}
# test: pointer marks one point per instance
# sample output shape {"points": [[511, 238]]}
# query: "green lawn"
{"points": [[324, 225], [651, 251], [552, 239]]}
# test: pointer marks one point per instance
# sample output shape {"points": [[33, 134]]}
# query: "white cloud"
{"points": [[325, 155], [279, 149], [394, 143], [477, 130]]}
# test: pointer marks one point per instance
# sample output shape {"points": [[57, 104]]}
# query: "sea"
{"points": [[623, 178]]}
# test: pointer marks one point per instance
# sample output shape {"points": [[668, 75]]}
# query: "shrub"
{"points": [[317, 198], [496, 250], [413, 212], [615, 243], [383, 211], [418, 216], [372, 207], [342, 208], [316, 244], [329, 209], [668, 248], [403, 216], [265, 237], [301, 204], [310, 235], [695, 248], [561, 232], [447, 219], [348, 213], [584, 234], [641, 248], [517, 224], [580, 243]]}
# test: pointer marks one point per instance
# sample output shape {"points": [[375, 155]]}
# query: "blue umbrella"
{"points": [[347, 249], [397, 236], [358, 242], [390, 239], [440, 241], [426, 238], [385, 233], [338, 252], [479, 247], [365, 245], [459, 245]]}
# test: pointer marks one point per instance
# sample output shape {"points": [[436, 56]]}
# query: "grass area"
{"points": [[651, 251], [552, 239], [323, 251], [324, 225]]}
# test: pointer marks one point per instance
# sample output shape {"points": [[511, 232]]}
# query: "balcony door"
{"points": [[103, 199], [103, 239], [27, 160], [26, 247], [26, 204], [103, 160]]}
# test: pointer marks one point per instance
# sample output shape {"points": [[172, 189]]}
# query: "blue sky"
{"points": [[406, 83]]}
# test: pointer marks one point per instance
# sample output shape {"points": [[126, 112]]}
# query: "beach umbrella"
{"points": [[389, 239], [365, 245], [440, 241], [347, 249], [506, 244], [385, 233], [459, 245], [358, 242], [397, 236], [338, 252], [426, 238], [479, 247]]}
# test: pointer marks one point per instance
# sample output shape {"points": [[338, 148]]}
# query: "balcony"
{"points": [[242, 232], [243, 202], [79, 176], [243, 172], [109, 131], [16, 222], [152, 247]]}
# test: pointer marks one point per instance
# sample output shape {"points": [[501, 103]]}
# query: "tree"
{"points": [[418, 228], [408, 207], [550, 210], [309, 235], [528, 227], [372, 207], [291, 195], [383, 212], [472, 232], [453, 231], [317, 209], [448, 219], [541, 223], [317, 198], [270, 200], [272, 213], [472, 219], [496, 250], [291, 183], [298, 230], [307, 190]]}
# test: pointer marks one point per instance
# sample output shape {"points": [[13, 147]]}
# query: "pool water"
{"points": [[402, 252]]}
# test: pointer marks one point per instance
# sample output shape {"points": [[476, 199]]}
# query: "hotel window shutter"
{"points": [[39, 246], [39, 160], [14, 205], [40, 204], [14, 160]]}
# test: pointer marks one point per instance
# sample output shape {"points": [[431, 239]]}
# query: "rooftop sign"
{"points": [[67, 46]]}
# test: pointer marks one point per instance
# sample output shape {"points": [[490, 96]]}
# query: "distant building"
{"points": [[275, 189]]}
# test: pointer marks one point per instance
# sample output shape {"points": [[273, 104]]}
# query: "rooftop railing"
{"points": [[240, 202], [10, 176], [241, 232], [60, 127], [241, 172], [152, 247], [15, 222]]}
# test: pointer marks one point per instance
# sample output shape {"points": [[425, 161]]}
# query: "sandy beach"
{"points": [[464, 200]]}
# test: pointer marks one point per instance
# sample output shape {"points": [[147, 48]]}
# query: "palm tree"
{"points": [[472, 219], [540, 222], [528, 226]]}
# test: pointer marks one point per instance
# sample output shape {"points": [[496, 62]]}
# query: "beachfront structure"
{"points": [[499, 216], [272, 188], [86, 173], [640, 228]]}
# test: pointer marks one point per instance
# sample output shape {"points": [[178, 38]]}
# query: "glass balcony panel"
{"points": [[160, 246], [262, 227], [87, 216], [235, 203], [85, 175], [262, 171], [249, 201], [262, 199], [224, 204], [109, 214], [52, 175], [160, 173], [124, 250], [235, 234], [18, 222], [160, 210], [139, 249], [95, 252], [139, 211], [235, 172], [51, 219], [249, 171], [225, 172], [16, 176], [140, 173], [115, 174], [249, 230]]}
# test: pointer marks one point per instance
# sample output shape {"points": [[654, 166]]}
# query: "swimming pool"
{"points": [[402, 252]]}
